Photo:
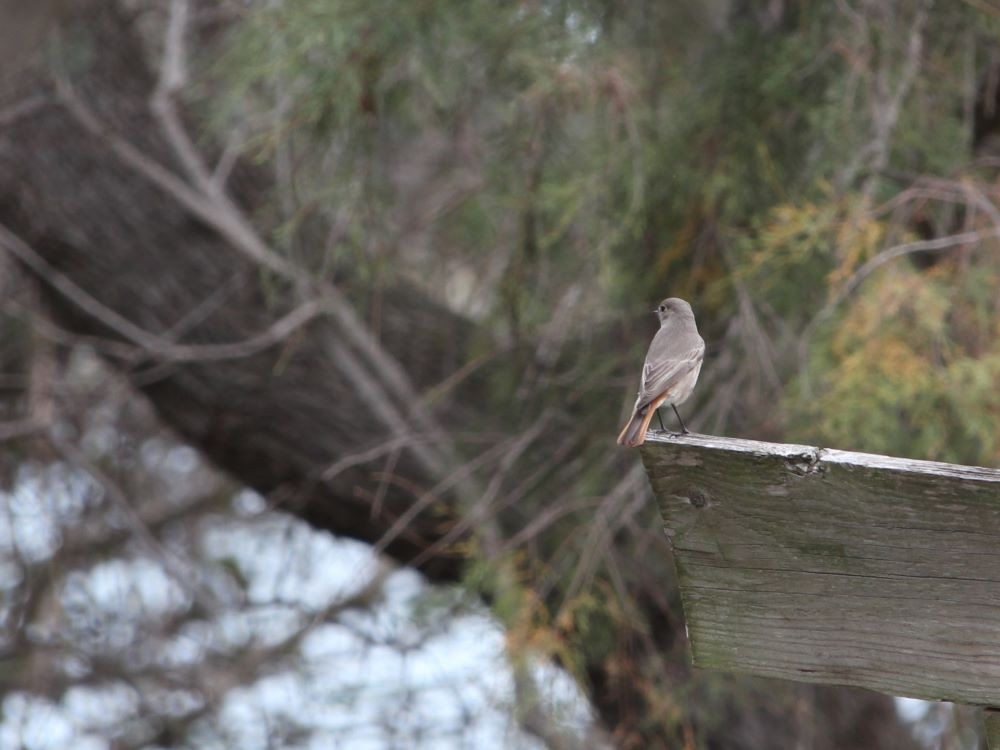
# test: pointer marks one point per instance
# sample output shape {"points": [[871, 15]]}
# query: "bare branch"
{"points": [[277, 332], [886, 99], [20, 428], [25, 108], [356, 459], [151, 343], [604, 526], [477, 513], [936, 245], [179, 569], [24, 253], [173, 70]]}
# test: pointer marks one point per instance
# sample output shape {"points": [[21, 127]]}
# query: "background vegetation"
{"points": [[494, 194]]}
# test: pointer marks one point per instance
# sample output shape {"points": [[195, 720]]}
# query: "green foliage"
{"points": [[911, 368], [493, 132]]}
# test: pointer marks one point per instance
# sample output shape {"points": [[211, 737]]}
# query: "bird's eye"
{"points": [[662, 308]]}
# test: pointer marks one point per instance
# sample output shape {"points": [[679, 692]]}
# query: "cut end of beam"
{"points": [[834, 567]]}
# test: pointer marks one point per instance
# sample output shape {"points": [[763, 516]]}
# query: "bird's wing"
{"points": [[669, 358]]}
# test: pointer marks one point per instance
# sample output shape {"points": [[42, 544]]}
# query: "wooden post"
{"points": [[992, 733], [835, 567]]}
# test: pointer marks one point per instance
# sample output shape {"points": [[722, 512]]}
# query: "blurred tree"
{"points": [[384, 263]]}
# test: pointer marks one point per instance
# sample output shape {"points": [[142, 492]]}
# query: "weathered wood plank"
{"points": [[835, 567]]}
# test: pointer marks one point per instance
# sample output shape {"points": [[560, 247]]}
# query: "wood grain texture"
{"points": [[835, 567]]}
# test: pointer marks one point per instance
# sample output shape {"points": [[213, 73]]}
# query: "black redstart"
{"points": [[670, 370]]}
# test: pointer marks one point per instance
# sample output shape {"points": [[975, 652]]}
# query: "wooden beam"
{"points": [[835, 567]]}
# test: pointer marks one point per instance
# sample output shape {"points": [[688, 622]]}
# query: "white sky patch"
{"points": [[422, 666], [912, 709]]}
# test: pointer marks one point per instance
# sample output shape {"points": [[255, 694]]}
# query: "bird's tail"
{"points": [[634, 432]]}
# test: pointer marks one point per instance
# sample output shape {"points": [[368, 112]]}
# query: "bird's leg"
{"points": [[684, 430], [661, 420]]}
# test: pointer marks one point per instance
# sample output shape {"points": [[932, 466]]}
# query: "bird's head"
{"points": [[673, 307]]}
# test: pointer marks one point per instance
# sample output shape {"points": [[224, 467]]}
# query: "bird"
{"points": [[670, 370]]}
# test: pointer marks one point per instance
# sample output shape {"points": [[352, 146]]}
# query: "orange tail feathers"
{"points": [[633, 434]]}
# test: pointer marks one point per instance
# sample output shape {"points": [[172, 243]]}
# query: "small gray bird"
{"points": [[670, 370]]}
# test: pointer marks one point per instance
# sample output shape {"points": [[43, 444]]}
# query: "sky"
{"points": [[421, 667]]}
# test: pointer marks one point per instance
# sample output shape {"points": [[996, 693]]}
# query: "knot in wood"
{"points": [[697, 497], [804, 464]]}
